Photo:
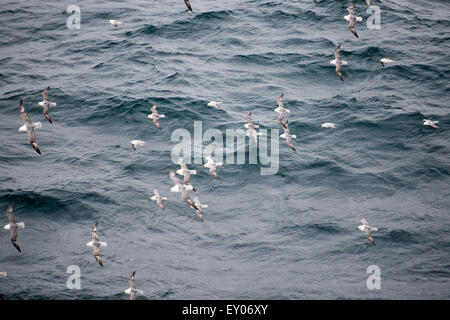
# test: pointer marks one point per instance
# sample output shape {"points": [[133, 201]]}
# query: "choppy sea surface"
{"points": [[291, 235]]}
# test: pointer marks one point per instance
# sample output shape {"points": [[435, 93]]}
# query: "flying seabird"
{"points": [[286, 135], [251, 129], [188, 4], [96, 244], [214, 104], [328, 125], [200, 206], [384, 61], [281, 109], [29, 127], [155, 116], [211, 164], [352, 18], [367, 230], [132, 291], [431, 123], [115, 23], [180, 187], [338, 62], [12, 226], [46, 104], [157, 197], [185, 172], [135, 143]]}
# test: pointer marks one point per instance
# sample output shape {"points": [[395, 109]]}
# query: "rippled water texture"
{"points": [[292, 235]]}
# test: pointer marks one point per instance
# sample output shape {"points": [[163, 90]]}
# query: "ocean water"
{"points": [[290, 235]]}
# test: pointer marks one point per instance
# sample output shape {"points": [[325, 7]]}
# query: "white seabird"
{"points": [[185, 172], [384, 61], [214, 104], [132, 291], [281, 109], [251, 129], [338, 62], [3, 274], [287, 135], [430, 123], [188, 5], [135, 143], [200, 206], [157, 197], [212, 165], [352, 18], [328, 125], [115, 23], [96, 244], [180, 187], [29, 127], [12, 226], [46, 104], [155, 116], [367, 230]]}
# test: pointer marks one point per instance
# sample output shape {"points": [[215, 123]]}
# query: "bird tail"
{"points": [[36, 147], [100, 262], [16, 244]]}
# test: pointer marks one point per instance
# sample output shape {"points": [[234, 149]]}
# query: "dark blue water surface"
{"points": [[291, 235]]}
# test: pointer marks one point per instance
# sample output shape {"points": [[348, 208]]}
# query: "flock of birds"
{"points": [[183, 187]]}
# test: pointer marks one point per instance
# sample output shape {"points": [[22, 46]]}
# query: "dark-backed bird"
{"points": [[181, 188], [287, 135], [12, 226], [338, 62], [29, 127], [251, 129], [132, 291], [281, 109], [155, 116], [96, 244], [200, 206], [46, 104], [212, 166], [352, 18], [157, 197], [367, 230]]}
